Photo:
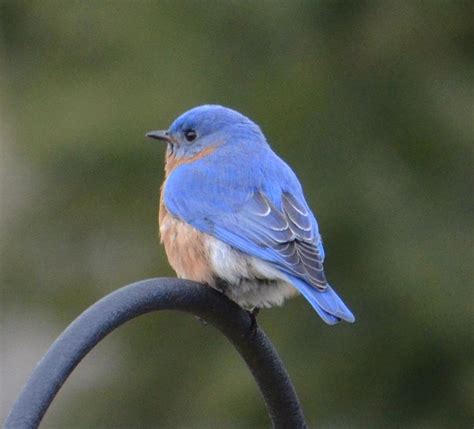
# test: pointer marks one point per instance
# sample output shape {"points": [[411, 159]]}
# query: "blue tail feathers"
{"points": [[326, 303]]}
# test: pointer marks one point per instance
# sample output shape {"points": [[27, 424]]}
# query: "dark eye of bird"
{"points": [[190, 135]]}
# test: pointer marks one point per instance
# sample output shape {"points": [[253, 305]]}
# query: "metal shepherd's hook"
{"points": [[143, 297]]}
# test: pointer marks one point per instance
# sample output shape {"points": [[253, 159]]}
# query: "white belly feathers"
{"points": [[252, 281]]}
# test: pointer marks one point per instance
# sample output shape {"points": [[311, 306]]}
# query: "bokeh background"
{"points": [[371, 102]]}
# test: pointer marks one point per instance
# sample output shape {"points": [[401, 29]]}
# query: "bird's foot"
{"points": [[253, 321]]}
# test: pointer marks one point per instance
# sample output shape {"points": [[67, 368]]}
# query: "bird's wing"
{"points": [[286, 236]]}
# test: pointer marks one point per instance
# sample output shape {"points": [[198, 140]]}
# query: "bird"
{"points": [[232, 215]]}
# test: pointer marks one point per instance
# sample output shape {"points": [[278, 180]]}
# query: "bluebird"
{"points": [[233, 215]]}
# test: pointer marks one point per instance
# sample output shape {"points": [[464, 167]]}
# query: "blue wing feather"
{"points": [[265, 216]]}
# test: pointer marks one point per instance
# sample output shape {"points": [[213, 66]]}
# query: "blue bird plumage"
{"points": [[243, 194]]}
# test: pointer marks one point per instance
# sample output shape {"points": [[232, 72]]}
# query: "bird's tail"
{"points": [[326, 303]]}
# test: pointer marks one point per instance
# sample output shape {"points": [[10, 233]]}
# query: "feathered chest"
{"points": [[185, 246]]}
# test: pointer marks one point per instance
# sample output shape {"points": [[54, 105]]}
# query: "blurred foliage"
{"points": [[371, 102]]}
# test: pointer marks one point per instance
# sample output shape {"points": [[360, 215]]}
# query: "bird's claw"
{"points": [[253, 322]]}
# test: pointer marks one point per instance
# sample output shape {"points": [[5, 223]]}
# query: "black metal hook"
{"points": [[142, 297]]}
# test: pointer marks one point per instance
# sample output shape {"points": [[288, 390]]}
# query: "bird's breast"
{"points": [[185, 248]]}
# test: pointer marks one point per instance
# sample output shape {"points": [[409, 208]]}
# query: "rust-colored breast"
{"points": [[185, 246]]}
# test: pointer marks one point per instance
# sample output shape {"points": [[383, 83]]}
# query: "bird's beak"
{"points": [[159, 135]]}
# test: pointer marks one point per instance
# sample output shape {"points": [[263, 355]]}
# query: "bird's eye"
{"points": [[190, 135]]}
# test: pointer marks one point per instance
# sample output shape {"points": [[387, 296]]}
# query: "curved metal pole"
{"points": [[142, 297]]}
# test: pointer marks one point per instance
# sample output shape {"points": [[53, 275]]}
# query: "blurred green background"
{"points": [[371, 102]]}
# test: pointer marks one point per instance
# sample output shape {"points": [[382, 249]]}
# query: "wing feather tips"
{"points": [[326, 303]]}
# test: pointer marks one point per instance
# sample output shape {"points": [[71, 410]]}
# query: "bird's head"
{"points": [[205, 127]]}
